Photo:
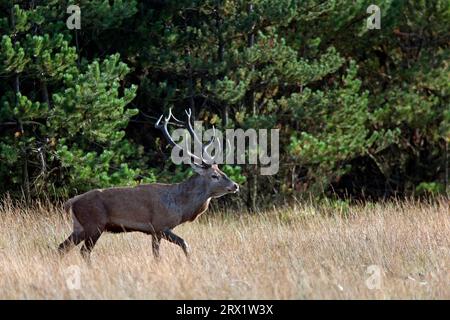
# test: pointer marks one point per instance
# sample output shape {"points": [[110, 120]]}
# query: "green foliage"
{"points": [[360, 112], [234, 173], [64, 121], [335, 123], [430, 188]]}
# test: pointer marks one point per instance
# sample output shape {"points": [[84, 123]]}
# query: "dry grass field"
{"points": [[305, 252]]}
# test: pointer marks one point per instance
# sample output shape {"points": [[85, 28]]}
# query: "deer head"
{"points": [[216, 181]]}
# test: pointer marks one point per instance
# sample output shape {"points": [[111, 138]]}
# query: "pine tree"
{"points": [[62, 118]]}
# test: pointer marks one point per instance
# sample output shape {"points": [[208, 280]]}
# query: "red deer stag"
{"points": [[154, 209]]}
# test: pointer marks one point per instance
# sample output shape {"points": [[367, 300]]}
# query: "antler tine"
{"points": [[218, 148], [173, 117], [157, 124], [164, 129], [190, 128], [228, 147], [210, 142], [170, 115]]}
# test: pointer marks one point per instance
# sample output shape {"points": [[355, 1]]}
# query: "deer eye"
{"points": [[214, 176]]}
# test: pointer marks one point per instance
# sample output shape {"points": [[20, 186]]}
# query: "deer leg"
{"points": [[89, 243], [156, 241], [74, 239], [172, 237]]}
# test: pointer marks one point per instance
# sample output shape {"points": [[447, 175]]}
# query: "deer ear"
{"points": [[199, 169]]}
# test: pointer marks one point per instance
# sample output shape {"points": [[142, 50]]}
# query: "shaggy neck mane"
{"points": [[193, 200]]}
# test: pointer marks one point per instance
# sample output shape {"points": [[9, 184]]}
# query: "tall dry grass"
{"points": [[306, 252]]}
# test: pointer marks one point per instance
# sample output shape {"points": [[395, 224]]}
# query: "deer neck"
{"points": [[194, 197]]}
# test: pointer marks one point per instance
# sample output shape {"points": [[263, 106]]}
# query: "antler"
{"points": [[205, 160], [209, 159]]}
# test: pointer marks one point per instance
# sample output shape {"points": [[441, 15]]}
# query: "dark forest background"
{"points": [[363, 114]]}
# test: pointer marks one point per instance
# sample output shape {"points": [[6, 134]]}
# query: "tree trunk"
{"points": [[190, 83], [25, 177], [250, 99], [220, 57], [44, 89], [16, 85]]}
